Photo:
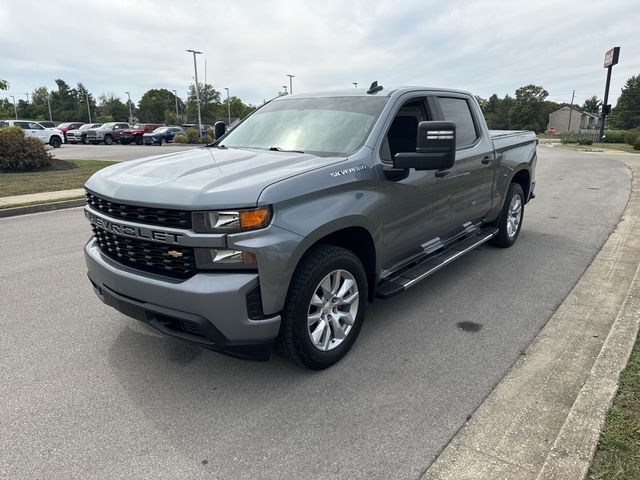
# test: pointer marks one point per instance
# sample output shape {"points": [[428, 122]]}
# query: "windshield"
{"points": [[64, 125], [323, 126], [136, 127], [160, 130], [106, 126], [86, 126]]}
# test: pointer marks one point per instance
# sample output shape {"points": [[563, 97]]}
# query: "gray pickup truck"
{"points": [[107, 133], [286, 227]]}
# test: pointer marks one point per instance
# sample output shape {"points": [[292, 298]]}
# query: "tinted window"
{"points": [[457, 110], [24, 125], [35, 126]]}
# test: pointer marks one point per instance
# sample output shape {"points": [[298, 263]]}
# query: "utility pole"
{"points": [[610, 59], [175, 94], [27, 94], [228, 107], [49, 105], [88, 108], [195, 68], [355, 84], [290, 83], [571, 111], [129, 102], [205, 70], [15, 109]]}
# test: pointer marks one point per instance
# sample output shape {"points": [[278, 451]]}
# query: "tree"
{"points": [[626, 114], [4, 85], [209, 104], [591, 105], [81, 94], [528, 110], [238, 108], [111, 107], [154, 104]]}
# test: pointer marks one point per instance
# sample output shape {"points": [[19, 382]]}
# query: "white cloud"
{"points": [[483, 46]]}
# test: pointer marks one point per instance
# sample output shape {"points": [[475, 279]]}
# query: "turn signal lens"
{"points": [[254, 218]]}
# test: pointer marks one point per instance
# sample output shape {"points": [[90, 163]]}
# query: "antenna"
{"points": [[374, 88]]}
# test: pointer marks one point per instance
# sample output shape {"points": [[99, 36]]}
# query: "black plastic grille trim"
{"points": [[150, 215], [148, 256]]}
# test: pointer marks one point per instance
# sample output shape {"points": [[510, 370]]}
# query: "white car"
{"points": [[52, 136]]}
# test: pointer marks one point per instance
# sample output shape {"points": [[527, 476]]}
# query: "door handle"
{"points": [[442, 173], [486, 160]]}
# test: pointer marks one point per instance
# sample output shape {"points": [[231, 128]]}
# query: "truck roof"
{"points": [[362, 92]]}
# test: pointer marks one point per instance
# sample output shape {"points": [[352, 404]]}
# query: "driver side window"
{"points": [[403, 132]]}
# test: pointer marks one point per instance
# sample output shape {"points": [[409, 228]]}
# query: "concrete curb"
{"points": [[42, 207], [543, 420]]}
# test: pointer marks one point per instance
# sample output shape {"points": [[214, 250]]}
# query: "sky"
{"points": [[250, 46]]}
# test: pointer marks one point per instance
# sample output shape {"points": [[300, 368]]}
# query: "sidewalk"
{"points": [[40, 202], [543, 420]]}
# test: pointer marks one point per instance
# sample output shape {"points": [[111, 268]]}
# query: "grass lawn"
{"points": [[618, 454], [50, 180], [621, 147]]}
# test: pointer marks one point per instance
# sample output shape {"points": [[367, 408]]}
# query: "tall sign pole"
{"points": [[610, 59]]}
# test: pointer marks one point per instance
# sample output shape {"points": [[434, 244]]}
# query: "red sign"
{"points": [[611, 57]]}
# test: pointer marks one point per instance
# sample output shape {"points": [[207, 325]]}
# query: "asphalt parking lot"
{"points": [[89, 393], [116, 152]]}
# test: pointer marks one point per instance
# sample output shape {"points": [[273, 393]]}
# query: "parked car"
{"points": [[107, 133], [134, 134], [67, 126], [52, 136], [47, 124], [287, 226], [162, 135], [79, 135]]}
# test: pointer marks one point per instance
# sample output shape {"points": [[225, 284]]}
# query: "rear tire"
{"points": [[139, 140], [509, 222], [55, 141], [324, 309]]}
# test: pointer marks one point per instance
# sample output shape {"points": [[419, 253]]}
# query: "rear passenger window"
{"points": [[457, 110], [23, 125]]}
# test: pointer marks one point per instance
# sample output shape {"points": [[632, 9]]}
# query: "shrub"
{"points": [[180, 139], [19, 152], [636, 146], [613, 136], [569, 140], [584, 141], [192, 136], [631, 136]]}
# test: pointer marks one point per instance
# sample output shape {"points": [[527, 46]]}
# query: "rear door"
{"points": [[471, 177]]}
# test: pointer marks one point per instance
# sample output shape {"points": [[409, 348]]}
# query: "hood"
{"points": [[202, 177]]}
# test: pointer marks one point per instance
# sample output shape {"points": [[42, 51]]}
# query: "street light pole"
{"points": [[49, 105], [195, 69], [228, 108], [355, 84], [175, 93], [290, 83], [129, 102], [14, 106], [285, 89], [88, 108]]}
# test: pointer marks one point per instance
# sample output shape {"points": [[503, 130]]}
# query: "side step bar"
{"points": [[408, 277]]}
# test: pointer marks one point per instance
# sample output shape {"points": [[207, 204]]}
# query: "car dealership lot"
{"points": [[116, 152], [90, 393]]}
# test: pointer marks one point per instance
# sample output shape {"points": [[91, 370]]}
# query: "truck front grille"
{"points": [[161, 258], [149, 215]]}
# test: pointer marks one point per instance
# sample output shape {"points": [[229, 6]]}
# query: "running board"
{"points": [[408, 277]]}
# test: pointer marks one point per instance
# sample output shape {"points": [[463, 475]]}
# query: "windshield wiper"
{"points": [[278, 149]]}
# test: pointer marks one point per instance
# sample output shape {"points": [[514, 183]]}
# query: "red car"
{"points": [[65, 127], [134, 134]]}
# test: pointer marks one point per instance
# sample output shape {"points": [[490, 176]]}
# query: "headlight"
{"points": [[230, 221]]}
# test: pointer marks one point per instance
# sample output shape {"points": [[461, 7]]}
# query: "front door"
{"points": [[416, 205]]}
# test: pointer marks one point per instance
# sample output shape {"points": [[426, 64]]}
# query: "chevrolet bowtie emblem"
{"points": [[174, 253]]}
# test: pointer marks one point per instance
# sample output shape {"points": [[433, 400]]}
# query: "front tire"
{"points": [[139, 140], [108, 140], [161, 141], [324, 309], [55, 142], [509, 222]]}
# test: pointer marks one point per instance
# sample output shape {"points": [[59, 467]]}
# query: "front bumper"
{"points": [[209, 309]]}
